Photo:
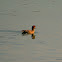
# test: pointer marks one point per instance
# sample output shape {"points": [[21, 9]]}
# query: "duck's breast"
{"points": [[31, 32]]}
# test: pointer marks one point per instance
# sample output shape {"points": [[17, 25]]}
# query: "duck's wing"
{"points": [[24, 30]]}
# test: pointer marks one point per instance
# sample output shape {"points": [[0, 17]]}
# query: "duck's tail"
{"points": [[24, 32]]}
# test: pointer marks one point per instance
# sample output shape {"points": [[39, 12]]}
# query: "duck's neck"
{"points": [[32, 29]]}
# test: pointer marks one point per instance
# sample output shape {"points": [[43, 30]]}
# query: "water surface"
{"points": [[16, 15]]}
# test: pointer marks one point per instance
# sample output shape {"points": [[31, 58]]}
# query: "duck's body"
{"points": [[29, 31]]}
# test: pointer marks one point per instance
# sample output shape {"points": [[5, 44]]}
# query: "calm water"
{"points": [[16, 15]]}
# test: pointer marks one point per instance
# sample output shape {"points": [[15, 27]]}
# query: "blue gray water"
{"points": [[16, 15]]}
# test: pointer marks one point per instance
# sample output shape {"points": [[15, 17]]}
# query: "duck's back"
{"points": [[28, 31]]}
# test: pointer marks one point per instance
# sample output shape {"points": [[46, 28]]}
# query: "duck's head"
{"points": [[33, 27]]}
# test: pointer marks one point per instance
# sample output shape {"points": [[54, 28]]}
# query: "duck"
{"points": [[29, 31]]}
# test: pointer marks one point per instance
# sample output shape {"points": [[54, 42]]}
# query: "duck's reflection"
{"points": [[32, 35]]}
